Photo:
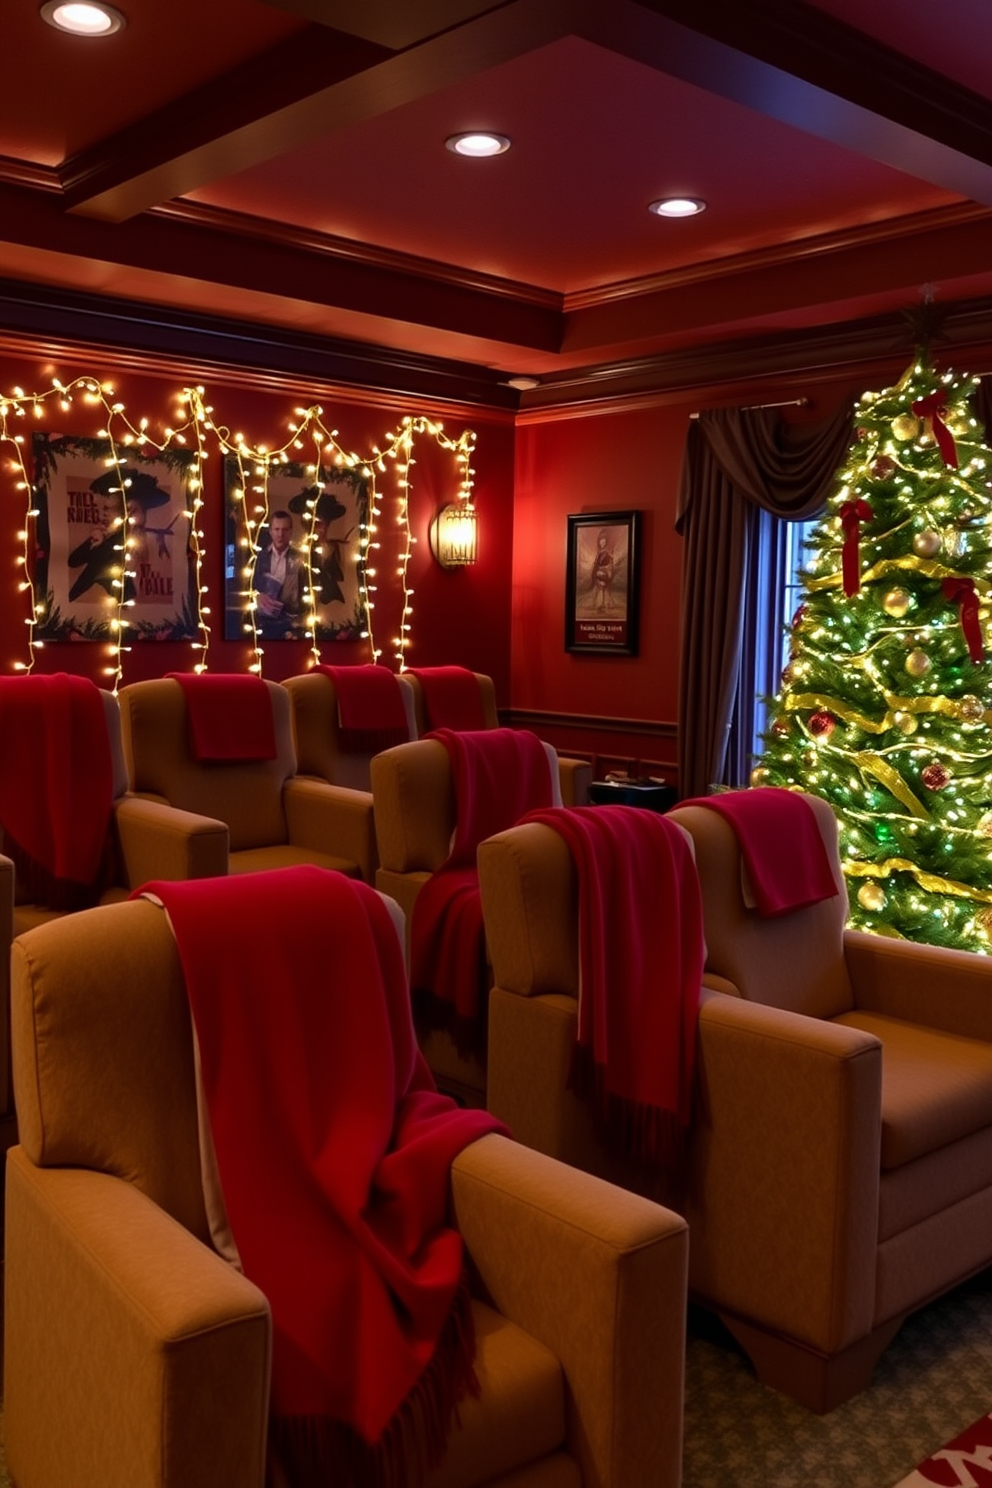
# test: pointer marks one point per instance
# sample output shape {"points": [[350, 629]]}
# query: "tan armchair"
{"points": [[321, 754], [147, 840], [135, 1357], [415, 816], [840, 1170], [275, 818], [575, 774]]}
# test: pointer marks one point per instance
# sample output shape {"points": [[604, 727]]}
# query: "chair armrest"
{"points": [[930, 985], [716, 983], [784, 1170], [132, 1353], [332, 819], [575, 778], [160, 841], [598, 1276]]}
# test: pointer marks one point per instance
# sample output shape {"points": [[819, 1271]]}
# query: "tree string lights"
{"points": [[885, 708], [198, 430]]}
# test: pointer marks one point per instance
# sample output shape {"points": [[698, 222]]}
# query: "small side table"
{"points": [[645, 793]]}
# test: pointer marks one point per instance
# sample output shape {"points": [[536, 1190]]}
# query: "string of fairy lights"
{"points": [[309, 442]]}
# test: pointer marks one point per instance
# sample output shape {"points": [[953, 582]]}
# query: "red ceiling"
{"points": [[285, 163]]}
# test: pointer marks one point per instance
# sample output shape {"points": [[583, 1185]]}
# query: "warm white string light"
{"points": [[255, 465]]}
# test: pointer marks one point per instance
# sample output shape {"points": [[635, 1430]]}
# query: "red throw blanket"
{"points": [[230, 715], [641, 955], [785, 857], [334, 1151], [371, 715], [499, 775], [56, 787], [451, 697]]}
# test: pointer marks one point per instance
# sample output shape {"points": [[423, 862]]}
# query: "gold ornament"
{"points": [[905, 722], [781, 726], [897, 602], [917, 663], [905, 426], [983, 920], [871, 896], [788, 674], [984, 827], [926, 544], [970, 709], [760, 775]]}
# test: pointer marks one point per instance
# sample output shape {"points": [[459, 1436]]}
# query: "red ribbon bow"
{"points": [[934, 406], [852, 514], [962, 591]]}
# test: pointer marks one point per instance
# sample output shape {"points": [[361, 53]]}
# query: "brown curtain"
{"points": [[735, 458]]}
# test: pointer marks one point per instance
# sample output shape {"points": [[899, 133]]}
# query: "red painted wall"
{"points": [[459, 616]]}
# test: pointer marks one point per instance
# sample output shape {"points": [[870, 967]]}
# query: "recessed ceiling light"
{"points": [[678, 206], [82, 17], [478, 145]]}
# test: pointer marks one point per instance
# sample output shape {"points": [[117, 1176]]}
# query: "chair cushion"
{"points": [[519, 1415], [936, 1087], [258, 859]]}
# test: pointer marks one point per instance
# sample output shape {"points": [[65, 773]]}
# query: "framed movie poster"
{"points": [[307, 545], [601, 583], [88, 508]]}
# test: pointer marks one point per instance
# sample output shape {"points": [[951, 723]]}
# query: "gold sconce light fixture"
{"points": [[453, 535]]}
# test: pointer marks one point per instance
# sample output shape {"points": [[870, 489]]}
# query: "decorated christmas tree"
{"points": [[885, 708]]}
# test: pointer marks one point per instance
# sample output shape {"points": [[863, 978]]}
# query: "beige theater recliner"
{"points": [[135, 1357], [275, 818], [840, 1159], [416, 812], [147, 840], [575, 774], [320, 751]]}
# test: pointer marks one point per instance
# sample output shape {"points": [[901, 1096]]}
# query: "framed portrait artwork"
{"points": [[85, 502], [306, 547], [601, 583]]}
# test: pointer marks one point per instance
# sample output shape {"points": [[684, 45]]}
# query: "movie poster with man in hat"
{"points": [[300, 564], [91, 512]]}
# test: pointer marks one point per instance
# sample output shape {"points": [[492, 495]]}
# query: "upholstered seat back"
{"points": [[245, 794], [317, 731], [794, 961], [415, 808], [103, 1053], [530, 900], [487, 698]]}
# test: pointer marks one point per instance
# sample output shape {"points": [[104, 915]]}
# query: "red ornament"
{"points": [[935, 776], [797, 618], [883, 467], [822, 725]]}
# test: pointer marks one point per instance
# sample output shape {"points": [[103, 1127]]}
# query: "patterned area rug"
{"points": [[966, 1462], [932, 1384]]}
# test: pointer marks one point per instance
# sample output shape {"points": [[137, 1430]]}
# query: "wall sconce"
{"points": [[453, 535]]}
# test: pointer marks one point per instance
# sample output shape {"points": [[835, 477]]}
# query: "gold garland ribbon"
{"points": [[928, 567], [873, 764], [794, 701], [932, 882]]}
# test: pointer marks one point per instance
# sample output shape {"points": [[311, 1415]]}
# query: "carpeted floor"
{"points": [[934, 1380]]}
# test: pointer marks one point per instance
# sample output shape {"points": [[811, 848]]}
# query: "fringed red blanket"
{"points": [[787, 863], [451, 697], [56, 787], [230, 715], [641, 955], [334, 1151], [499, 775], [371, 715]]}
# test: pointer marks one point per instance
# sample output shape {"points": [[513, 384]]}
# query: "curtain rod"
{"points": [[786, 403]]}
